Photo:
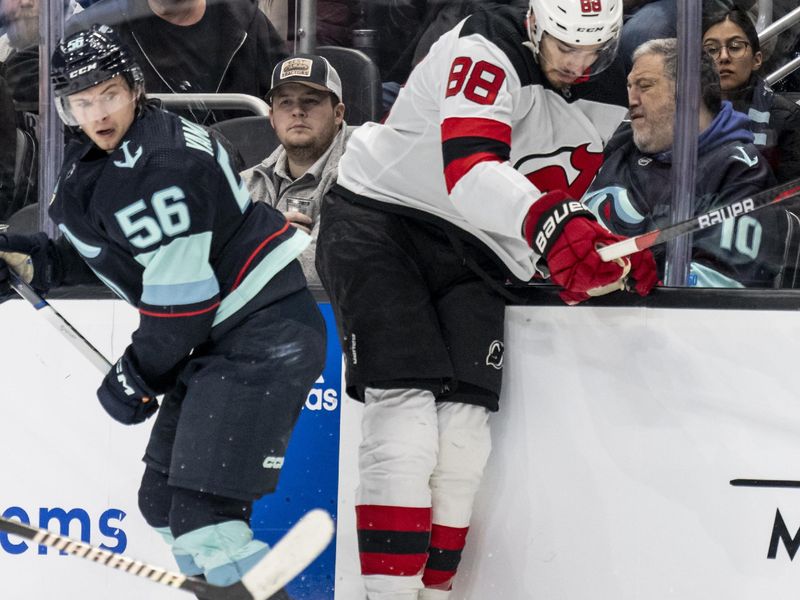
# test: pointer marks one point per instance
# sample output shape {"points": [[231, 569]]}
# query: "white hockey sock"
{"points": [[393, 515], [430, 594], [464, 447]]}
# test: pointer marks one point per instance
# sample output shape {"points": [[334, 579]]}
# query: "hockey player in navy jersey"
{"points": [[151, 205], [470, 180]]}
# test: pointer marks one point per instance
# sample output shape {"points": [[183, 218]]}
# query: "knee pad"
{"points": [[191, 510], [155, 498], [399, 446]]}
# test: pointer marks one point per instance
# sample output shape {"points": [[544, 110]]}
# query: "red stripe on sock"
{"points": [[375, 563], [393, 518], [448, 538], [438, 580]]}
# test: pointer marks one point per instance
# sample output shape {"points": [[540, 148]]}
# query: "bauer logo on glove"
{"points": [[557, 216], [567, 236]]}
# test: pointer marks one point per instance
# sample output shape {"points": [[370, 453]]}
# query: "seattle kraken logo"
{"points": [[130, 159], [745, 158]]}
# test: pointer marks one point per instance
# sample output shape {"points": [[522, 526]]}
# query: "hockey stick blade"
{"points": [[287, 559], [709, 219], [64, 327]]}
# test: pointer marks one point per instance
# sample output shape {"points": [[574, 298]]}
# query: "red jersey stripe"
{"points": [[255, 252], [393, 518], [193, 313], [455, 127], [461, 166]]}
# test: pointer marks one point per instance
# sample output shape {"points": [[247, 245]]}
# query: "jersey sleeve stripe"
{"points": [[466, 147], [467, 141], [255, 253], [456, 169], [257, 278], [177, 294], [458, 127], [171, 315], [179, 273]]}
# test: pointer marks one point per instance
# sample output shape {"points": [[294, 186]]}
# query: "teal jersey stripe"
{"points": [[178, 294], [84, 249], [88, 251], [112, 286], [758, 116], [238, 186], [277, 259], [179, 273], [707, 277]]}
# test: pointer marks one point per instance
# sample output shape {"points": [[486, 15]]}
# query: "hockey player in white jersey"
{"points": [[470, 180]]}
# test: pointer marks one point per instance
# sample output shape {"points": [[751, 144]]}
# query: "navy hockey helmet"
{"points": [[88, 58]]}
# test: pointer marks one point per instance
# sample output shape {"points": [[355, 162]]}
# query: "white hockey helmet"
{"points": [[578, 23]]}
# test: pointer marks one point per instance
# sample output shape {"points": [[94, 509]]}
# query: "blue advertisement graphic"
{"points": [[309, 478]]}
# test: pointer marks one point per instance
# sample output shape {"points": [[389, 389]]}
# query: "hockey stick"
{"points": [[291, 555], [713, 217], [64, 327]]}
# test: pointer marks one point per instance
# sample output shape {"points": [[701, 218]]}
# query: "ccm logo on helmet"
{"points": [[589, 29], [82, 70]]}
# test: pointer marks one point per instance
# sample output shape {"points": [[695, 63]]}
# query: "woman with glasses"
{"points": [[730, 38]]}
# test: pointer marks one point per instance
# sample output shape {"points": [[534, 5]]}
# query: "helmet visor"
{"points": [[91, 106], [571, 63]]}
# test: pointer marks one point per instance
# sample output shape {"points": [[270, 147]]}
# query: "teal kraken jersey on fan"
{"points": [[166, 223]]}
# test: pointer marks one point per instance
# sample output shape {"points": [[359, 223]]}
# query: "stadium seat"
{"points": [[361, 83], [25, 220], [25, 168], [790, 272], [253, 136]]}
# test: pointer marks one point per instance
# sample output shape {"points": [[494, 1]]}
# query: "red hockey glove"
{"points": [[644, 274], [567, 235]]}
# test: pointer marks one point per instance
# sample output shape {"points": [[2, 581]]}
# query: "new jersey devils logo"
{"points": [[555, 177], [495, 356]]}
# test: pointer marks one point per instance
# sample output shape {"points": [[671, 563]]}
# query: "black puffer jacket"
{"points": [[247, 48], [775, 123]]}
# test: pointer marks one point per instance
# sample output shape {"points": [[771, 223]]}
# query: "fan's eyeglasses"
{"points": [[735, 49]]}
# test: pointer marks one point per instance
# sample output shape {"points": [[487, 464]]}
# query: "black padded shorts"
{"points": [[225, 427], [409, 312]]}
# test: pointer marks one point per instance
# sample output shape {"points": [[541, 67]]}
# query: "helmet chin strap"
{"points": [[532, 43], [534, 50]]}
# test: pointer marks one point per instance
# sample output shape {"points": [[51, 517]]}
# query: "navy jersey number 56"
{"points": [[171, 218]]}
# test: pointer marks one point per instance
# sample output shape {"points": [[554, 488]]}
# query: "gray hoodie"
{"points": [[270, 182]]}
